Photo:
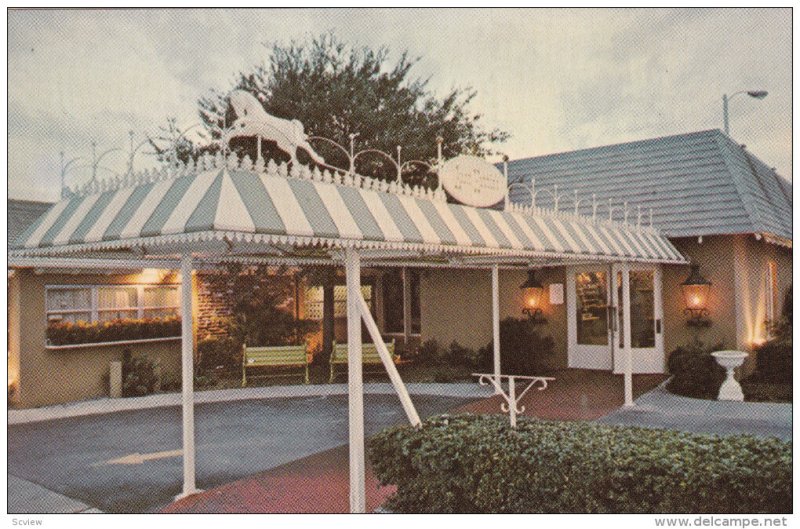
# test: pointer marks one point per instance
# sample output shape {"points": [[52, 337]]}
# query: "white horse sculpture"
{"points": [[253, 120]]}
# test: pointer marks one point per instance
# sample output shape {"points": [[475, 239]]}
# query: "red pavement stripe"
{"points": [[315, 484]]}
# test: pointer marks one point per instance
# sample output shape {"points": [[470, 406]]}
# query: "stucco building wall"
{"points": [[13, 336], [715, 257], [737, 267], [752, 258], [456, 305], [50, 376]]}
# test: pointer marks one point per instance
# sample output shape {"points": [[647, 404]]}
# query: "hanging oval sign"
{"points": [[473, 181]]}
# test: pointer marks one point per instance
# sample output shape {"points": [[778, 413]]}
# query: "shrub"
{"points": [[522, 348], [429, 353], [695, 373], [458, 355], [474, 464], [204, 381], [218, 352], [432, 354], [774, 358], [774, 361], [170, 382], [68, 333], [139, 375], [256, 298], [446, 376]]}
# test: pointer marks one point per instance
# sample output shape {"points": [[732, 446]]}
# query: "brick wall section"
{"points": [[214, 305]]}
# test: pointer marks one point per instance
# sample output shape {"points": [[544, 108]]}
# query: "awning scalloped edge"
{"points": [[147, 244]]}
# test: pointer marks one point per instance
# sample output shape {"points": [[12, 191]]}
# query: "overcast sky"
{"points": [[557, 80]]}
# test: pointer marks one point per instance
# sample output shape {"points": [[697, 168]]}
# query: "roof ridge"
{"points": [[623, 144], [726, 148]]}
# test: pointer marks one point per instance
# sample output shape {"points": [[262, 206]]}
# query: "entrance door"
{"points": [[588, 320], [645, 308], [597, 326]]}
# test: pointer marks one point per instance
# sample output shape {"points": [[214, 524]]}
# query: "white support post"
{"points": [[187, 385], [512, 399], [496, 318], [406, 306], [355, 383], [626, 318], [388, 362]]}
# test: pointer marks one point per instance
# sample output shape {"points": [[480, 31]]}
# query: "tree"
{"points": [[171, 145], [336, 90], [257, 303]]}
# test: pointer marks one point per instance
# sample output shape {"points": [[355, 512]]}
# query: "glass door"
{"points": [[643, 328], [589, 321]]}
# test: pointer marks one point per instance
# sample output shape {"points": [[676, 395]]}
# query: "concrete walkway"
{"points": [[108, 405], [661, 409], [25, 497]]}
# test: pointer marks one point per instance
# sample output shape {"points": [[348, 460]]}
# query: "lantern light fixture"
{"points": [[533, 291], [695, 295]]}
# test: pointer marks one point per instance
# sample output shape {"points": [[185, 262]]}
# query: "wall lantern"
{"points": [[695, 295], [532, 292]]}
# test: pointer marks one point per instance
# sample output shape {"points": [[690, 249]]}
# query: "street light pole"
{"points": [[757, 94], [725, 114]]}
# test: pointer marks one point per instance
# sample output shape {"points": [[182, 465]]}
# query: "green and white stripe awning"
{"points": [[264, 207]]}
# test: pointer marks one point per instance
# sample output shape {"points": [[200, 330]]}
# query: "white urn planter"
{"points": [[730, 360]]}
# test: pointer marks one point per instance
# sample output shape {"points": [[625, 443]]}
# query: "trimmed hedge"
{"points": [[478, 464]]}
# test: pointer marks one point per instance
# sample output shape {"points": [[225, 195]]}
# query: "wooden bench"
{"points": [[274, 356], [369, 356]]}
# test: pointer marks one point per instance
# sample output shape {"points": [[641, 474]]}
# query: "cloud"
{"points": [[556, 79]]}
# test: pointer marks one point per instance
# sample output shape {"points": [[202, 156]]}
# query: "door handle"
{"points": [[658, 326]]}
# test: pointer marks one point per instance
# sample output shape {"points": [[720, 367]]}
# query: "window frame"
{"points": [[405, 274], [94, 309], [340, 304]]}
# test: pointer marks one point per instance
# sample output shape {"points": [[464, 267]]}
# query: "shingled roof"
{"points": [[23, 213], [701, 183]]}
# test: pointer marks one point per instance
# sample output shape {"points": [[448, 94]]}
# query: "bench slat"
{"points": [[277, 356], [369, 353]]}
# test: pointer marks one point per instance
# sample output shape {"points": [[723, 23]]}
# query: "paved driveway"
{"points": [[234, 440]]}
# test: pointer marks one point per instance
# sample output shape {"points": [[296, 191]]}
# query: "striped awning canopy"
{"points": [[230, 209]]}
